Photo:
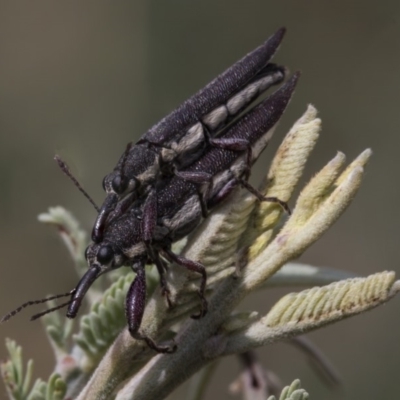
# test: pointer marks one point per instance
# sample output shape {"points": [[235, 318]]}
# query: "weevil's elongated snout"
{"points": [[84, 284]]}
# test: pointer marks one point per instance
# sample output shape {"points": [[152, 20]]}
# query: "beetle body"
{"points": [[185, 134], [173, 209]]}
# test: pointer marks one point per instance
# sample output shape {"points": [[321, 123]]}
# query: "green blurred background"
{"points": [[81, 79]]}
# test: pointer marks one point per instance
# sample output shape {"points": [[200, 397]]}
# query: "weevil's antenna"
{"points": [[65, 169], [126, 154], [48, 311], [34, 302]]}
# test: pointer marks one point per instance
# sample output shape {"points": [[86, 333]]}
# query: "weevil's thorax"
{"points": [[125, 234]]}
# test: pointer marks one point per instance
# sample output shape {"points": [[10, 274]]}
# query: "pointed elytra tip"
{"points": [[280, 32], [274, 41], [295, 78], [288, 88]]}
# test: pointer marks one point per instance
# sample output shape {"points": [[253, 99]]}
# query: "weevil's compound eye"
{"points": [[105, 254], [119, 184]]}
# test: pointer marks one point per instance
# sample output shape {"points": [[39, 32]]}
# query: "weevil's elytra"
{"points": [[208, 153], [215, 93], [144, 165], [183, 136]]}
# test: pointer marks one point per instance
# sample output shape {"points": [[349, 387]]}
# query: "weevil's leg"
{"points": [[122, 206], [149, 216], [134, 309], [223, 193], [236, 144], [100, 223], [196, 267], [243, 145], [150, 342], [261, 197], [246, 175], [148, 225], [226, 190], [135, 301], [161, 268], [203, 181], [110, 210]]}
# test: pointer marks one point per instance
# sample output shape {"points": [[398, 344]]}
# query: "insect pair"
{"points": [[182, 168]]}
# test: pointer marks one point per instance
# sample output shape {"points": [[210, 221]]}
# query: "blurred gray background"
{"points": [[81, 79]]}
